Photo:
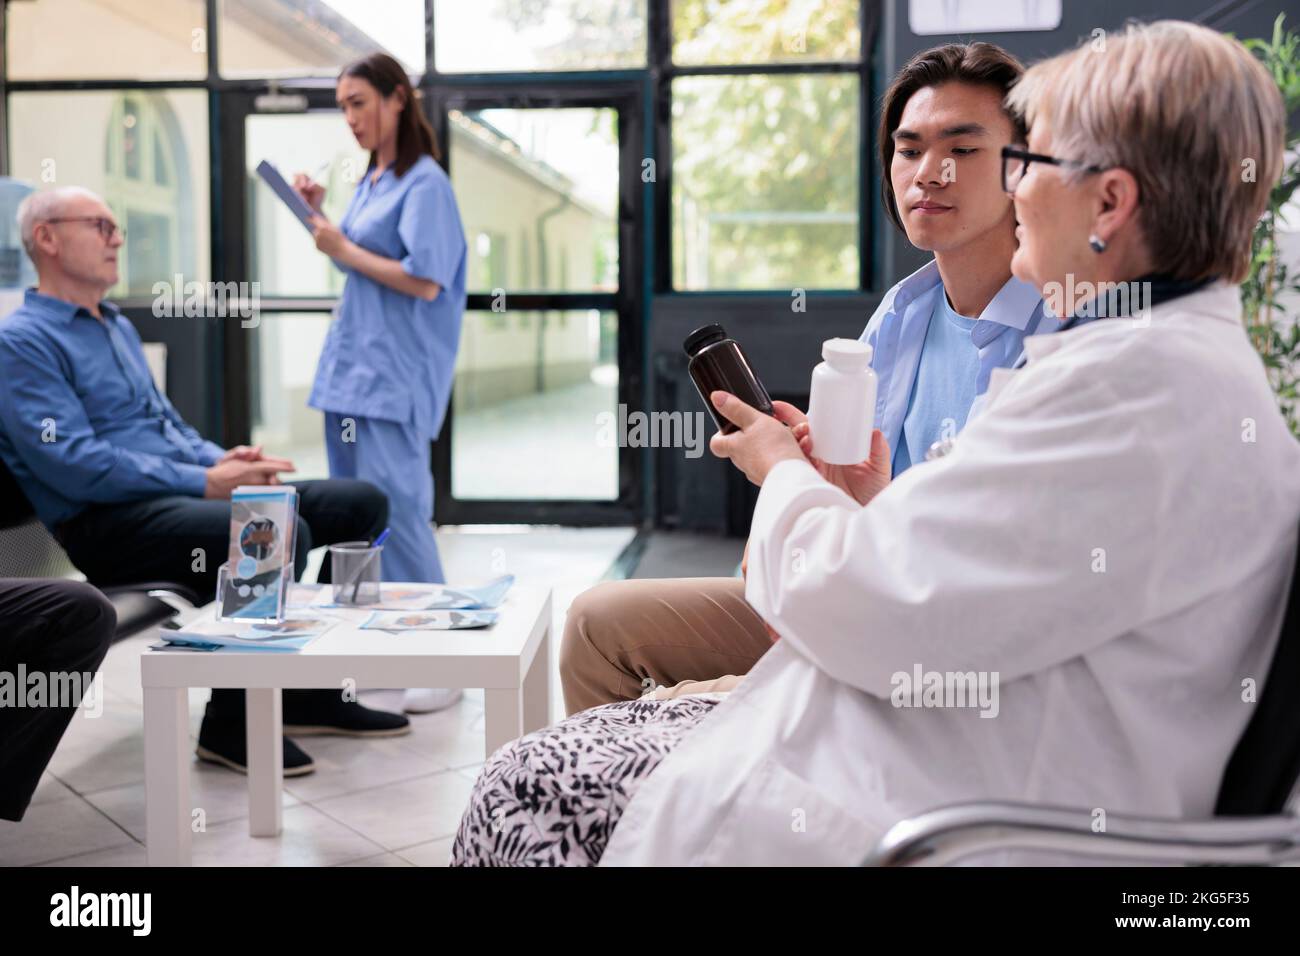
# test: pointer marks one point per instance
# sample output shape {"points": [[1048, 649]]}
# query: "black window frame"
{"points": [[609, 91], [664, 71]]}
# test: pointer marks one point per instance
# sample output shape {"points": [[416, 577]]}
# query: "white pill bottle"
{"points": [[842, 403]]}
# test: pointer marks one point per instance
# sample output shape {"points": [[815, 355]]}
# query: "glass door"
{"points": [[549, 189]]}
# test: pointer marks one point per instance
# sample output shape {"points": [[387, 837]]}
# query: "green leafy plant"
{"points": [[1274, 332]]}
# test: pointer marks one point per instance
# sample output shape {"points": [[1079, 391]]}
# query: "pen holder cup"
{"points": [[355, 572]]}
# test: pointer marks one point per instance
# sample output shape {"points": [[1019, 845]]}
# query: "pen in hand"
{"points": [[311, 191]]}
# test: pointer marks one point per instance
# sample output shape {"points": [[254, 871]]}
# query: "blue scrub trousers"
{"points": [[396, 459]]}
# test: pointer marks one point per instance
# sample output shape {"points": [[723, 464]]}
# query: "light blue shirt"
{"points": [[81, 420], [897, 334], [389, 355], [944, 387]]}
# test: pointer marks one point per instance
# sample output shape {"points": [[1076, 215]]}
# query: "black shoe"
{"points": [[315, 712], [225, 742]]}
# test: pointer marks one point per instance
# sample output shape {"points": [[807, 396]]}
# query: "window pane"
{"points": [[285, 349], [531, 387], [105, 39], [16, 270], [538, 196], [764, 31], [765, 182], [158, 192], [317, 38], [487, 36], [281, 253]]}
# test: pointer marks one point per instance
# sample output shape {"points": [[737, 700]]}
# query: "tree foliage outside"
{"points": [[765, 181], [765, 169], [765, 166], [713, 32], [1274, 331], [577, 34]]}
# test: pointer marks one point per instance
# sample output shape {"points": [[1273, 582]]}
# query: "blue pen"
{"points": [[383, 536]]}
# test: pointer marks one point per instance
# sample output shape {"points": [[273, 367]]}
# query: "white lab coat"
{"points": [[1112, 537]]}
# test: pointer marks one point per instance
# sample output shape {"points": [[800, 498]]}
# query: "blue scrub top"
{"points": [[389, 355]]}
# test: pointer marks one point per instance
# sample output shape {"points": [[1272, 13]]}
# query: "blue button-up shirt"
{"points": [[81, 420], [897, 330], [390, 355]]}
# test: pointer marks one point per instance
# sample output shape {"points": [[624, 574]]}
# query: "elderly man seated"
{"points": [[131, 491]]}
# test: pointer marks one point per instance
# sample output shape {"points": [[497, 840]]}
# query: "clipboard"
{"points": [[271, 176]]}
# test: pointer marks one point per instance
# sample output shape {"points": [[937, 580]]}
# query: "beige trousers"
{"points": [[674, 636]]}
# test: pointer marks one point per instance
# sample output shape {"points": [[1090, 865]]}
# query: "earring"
{"points": [[1096, 244]]}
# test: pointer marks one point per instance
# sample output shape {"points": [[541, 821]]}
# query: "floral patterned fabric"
{"points": [[553, 797]]}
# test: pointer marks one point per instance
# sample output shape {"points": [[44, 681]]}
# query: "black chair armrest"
{"points": [[159, 589], [149, 604]]}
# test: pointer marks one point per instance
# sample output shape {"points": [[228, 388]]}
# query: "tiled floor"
{"points": [[389, 802]]}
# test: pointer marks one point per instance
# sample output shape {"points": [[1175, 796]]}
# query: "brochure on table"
{"points": [[292, 634], [253, 584]]}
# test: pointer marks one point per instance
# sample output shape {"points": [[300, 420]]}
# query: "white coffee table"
{"points": [[510, 660]]}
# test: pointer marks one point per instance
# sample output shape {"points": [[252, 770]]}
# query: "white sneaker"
{"points": [[426, 700]]}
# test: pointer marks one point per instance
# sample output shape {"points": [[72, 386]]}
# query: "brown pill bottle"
{"points": [[718, 362]]}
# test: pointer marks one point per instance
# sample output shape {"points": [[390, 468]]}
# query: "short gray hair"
{"points": [[44, 206], [1191, 114]]}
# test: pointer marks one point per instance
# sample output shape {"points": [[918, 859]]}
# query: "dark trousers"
{"points": [[184, 540], [52, 628]]}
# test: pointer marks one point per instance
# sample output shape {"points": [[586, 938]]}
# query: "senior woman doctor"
{"points": [[385, 373], [1101, 557]]}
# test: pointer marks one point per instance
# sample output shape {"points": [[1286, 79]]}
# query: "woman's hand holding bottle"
{"points": [[862, 481]]}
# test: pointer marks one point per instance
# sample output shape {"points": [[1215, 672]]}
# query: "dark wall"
{"points": [[707, 493]]}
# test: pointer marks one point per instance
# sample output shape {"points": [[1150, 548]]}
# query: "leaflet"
{"points": [[428, 620]]}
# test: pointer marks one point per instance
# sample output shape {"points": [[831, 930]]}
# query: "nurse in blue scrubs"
{"points": [[385, 373]]}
